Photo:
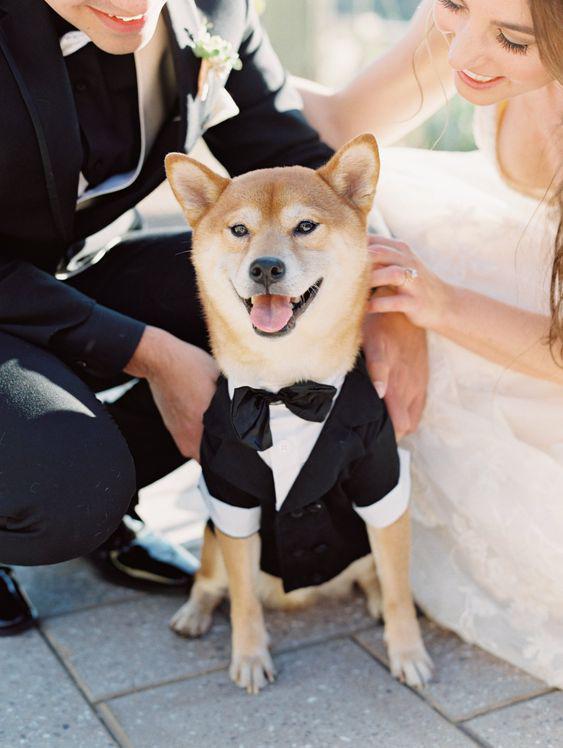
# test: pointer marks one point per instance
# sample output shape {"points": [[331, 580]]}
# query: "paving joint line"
{"points": [[217, 669], [513, 702], [86, 607], [79, 688], [419, 693]]}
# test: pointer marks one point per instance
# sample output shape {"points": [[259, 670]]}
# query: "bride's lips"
{"points": [[478, 85], [116, 24]]}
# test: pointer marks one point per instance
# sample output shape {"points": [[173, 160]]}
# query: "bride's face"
{"points": [[493, 50]]}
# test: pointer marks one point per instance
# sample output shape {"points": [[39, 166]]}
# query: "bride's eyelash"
{"points": [[451, 6], [519, 49]]}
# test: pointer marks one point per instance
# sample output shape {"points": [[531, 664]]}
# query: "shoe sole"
{"points": [[18, 628]]}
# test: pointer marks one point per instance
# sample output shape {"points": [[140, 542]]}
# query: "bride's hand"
{"points": [[419, 293]]}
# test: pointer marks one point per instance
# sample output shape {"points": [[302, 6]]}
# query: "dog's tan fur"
{"points": [[324, 343]]}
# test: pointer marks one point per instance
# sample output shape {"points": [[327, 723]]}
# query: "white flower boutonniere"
{"points": [[217, 56]]}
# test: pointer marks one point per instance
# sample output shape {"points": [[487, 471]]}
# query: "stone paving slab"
{"points": [[123, 647], [466, 680], [39, 703], [70, 586], [538, 722], [326, 695], [326, 619], [114, 649]]}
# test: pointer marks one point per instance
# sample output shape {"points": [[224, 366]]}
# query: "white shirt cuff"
{"points": [[238, 522], [392, 506]]}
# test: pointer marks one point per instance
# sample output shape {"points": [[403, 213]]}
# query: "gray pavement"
{"points": [[103, 668]]}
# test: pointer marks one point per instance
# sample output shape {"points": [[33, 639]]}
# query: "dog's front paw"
{"points": [[252, 671], [410, 663], [191, 620]]}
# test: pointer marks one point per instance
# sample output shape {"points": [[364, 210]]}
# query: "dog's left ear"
{"points": [[195, 186], [353, 171]]}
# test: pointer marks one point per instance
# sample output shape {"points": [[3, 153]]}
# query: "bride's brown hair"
{"points": [[547, 16]]}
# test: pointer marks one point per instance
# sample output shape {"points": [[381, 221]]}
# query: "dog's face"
{"points": [[280, 253]]}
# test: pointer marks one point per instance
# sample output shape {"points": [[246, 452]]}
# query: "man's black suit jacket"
{"points": [[40, 160]]}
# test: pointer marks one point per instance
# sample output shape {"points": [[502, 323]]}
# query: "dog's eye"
{"points": [[305, 227], [239, 230]]}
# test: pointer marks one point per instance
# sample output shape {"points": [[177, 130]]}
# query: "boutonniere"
{"points": [[217, 56]]}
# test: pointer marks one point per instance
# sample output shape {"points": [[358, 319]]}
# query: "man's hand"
{"points": [[397, 362], [182, 379]]}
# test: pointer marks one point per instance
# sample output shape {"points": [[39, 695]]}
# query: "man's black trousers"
{"points": [[70, 466]]}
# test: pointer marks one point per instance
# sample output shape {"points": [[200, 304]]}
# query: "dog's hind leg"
{"points": [[408, 658], [194, 618], [368, 582]]}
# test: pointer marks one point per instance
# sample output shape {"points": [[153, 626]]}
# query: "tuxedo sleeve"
{"points": [[39, 308], [234, 511], [379, 483], [270, 129]]}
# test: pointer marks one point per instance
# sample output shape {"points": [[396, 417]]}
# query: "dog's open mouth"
{"points": [[273, 314]]}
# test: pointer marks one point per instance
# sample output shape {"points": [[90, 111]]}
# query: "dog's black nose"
{"points": [[267, 271]]}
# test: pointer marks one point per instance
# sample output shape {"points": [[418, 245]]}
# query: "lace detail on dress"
{"points": [[488, 456]]}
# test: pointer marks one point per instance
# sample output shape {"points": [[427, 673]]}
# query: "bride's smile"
{"points": [[492, 48]]}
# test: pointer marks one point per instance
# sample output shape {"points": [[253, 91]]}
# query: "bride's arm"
{"points": [[505, 334], [393, 95]]}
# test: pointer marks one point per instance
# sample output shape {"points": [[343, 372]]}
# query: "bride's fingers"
{"points": [[391, 275], [395, 303], [386, 241], [385, 255]]}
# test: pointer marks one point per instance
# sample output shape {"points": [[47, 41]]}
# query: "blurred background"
{"points": [[331, 40]]}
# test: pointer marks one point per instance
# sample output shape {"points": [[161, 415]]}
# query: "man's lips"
{"points": [[115, 23]]}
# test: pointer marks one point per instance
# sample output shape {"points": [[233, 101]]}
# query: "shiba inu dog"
{"points": [[306, 490]]}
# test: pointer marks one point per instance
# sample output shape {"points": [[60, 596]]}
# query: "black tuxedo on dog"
{"points": [[68, 474], [316, 533]]}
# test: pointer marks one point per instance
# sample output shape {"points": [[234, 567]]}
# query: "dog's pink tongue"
{"points": [[271, 312]]}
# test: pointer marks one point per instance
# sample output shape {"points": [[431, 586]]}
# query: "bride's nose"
{"points": [[467, 48]]}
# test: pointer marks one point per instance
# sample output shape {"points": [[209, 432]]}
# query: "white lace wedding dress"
{"points": [[488, 456]]}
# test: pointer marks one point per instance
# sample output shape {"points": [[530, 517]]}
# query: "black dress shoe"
{"points": [[16, 613], [136, 557]]}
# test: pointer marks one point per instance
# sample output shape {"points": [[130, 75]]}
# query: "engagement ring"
{"points": [[410, 275]]}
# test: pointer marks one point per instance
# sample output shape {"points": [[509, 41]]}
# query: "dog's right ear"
{"points": [[195, 186]]}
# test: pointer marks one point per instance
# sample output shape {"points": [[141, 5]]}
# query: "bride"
{"points": [[480, 268]]}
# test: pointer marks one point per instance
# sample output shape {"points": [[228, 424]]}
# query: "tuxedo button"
{"points": [[297, 514], [316, 507], [80, 86], [298, 553], [284, 446], [322, 548]]}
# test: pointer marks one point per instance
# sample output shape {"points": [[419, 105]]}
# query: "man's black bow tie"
{"points": [[251, 416]]}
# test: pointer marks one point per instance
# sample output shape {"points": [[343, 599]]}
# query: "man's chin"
{"points": [[121, 46]]}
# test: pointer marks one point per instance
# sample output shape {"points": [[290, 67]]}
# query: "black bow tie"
{"points": [[251, 416]]}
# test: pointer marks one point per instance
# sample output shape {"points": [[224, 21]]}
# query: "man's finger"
{"points": [[379, 374], [416, 410], [399, 416]]}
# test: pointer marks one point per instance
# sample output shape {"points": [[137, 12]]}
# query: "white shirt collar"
{"points": [[293, 440], [72, 41]]}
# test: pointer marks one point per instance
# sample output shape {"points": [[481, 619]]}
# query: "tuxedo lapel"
{"points": [[40, 72], [233, 460], [338, 443], [184, 19]]}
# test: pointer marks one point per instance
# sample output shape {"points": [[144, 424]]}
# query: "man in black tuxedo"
{"points": [[93, 96]]}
